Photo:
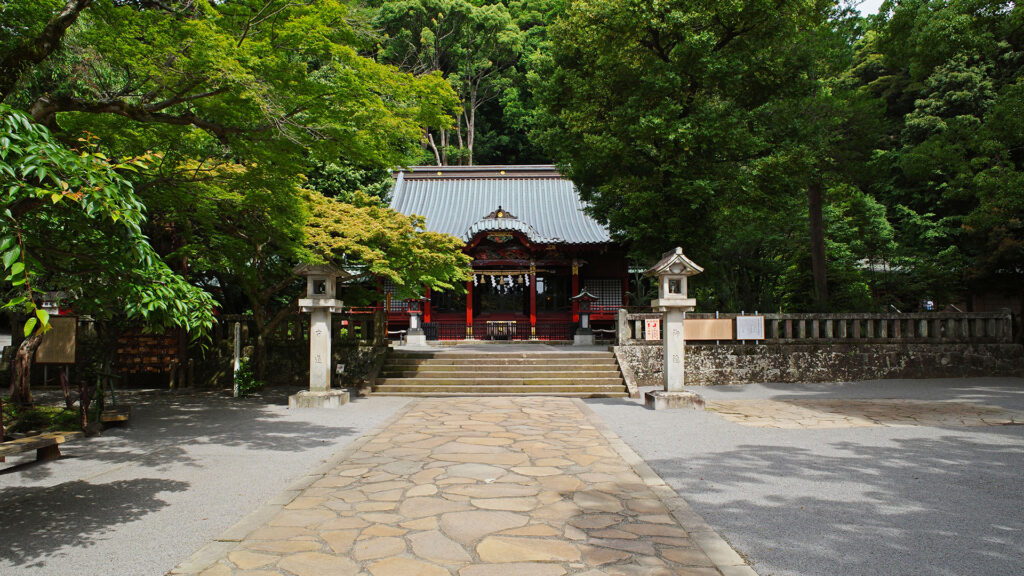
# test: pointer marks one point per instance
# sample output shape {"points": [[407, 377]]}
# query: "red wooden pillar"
{"points": [[469, 309], [575, 289], [533, 301], [426, 305]]}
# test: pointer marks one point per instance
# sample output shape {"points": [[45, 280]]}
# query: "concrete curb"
{"points": [[208, 555], [726, 559]]}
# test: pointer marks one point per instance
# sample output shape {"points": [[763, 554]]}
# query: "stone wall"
{"points": [[709, 364]]}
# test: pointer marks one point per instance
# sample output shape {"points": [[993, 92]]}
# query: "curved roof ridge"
{"points": [[490, 224]]}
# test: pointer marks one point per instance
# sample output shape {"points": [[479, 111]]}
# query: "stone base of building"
{"points": [[664, 400], [328, 399]]}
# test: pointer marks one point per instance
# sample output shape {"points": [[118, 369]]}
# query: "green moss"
{"points": [[39, 418]]}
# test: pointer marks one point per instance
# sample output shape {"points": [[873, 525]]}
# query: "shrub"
{"points": [[246, 380]]}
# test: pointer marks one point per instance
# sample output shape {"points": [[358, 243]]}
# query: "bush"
{"points": [[246, 380]]}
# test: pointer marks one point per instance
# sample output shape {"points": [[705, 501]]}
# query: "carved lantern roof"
{"points": [[674, 263]]}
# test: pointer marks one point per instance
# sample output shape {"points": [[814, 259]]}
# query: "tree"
{"points": [[649, 106], [381, 243], [472, 45], [72, 222], [949, 74], [242, 99]]}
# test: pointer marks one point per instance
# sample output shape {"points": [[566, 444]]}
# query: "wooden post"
{"points": [[469, 309], [426, 305], [533, 301], [575, 289], [238, 355]]}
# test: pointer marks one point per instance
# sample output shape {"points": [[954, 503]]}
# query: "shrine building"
{"points": [[533, 249]]}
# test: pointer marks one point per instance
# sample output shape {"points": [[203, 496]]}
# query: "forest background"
{"points": [[164, 158]]}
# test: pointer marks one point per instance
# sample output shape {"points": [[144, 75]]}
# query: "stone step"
{"points": [[486, 372], [562, 381], [575, 391], [575, 374], [488, 361], [469, 393]]}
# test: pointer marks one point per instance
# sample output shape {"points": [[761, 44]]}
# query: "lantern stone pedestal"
{"points": [[664, 399], [672, 272], [325, 399], [320, 302]]}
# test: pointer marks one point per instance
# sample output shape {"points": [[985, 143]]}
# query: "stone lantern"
{"points": [[320, 302], [672, 272], [585, 334], [415, 335]]}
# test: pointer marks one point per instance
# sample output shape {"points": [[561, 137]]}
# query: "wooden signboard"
{"points": [[652, 329], [707, 329], [58, 345]]}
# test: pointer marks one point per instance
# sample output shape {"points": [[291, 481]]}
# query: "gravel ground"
{"points": [[141, 499], [856, 501]]}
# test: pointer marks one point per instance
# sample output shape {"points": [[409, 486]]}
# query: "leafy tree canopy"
{"points": [[72, 221]]}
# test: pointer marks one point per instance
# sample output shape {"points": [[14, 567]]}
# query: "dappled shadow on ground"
{"points": [[38, 522], [1005, 392], [169, 428], [944, 505]]}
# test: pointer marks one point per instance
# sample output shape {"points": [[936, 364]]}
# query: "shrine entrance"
{"points": [[503, 296]]}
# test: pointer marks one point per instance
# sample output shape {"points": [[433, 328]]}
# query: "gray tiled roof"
{"points": [[456, 200]]}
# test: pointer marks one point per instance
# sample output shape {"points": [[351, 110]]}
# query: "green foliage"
{"points": [[473, 45], [38, 418], [951, 76], [72, 222], [385, 244], [245, 378]]}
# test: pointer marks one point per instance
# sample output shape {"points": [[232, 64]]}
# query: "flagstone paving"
{"points": [[853, 413], [479, 487]]}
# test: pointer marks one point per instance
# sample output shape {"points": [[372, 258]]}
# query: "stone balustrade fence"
{"points": [[923, 327]]}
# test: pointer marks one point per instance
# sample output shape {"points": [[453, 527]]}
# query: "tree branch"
{"points": [[35, 50], [44, 110]]}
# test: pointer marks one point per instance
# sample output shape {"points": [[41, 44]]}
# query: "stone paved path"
{"points": [[478, 487], [851, 413]]}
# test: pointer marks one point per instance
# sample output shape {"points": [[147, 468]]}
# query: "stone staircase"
{"points": [[577, 374]]}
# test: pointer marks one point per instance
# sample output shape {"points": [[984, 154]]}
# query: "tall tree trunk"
{"points": [[471, 123], [259, 351], [21, 369], [458, 132], [433, 148], [65, 387], [817, 229]]}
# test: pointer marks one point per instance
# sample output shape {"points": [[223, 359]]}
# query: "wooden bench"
{"points": [[47, 446]]}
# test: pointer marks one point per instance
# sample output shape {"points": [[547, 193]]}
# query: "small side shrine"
{"points": [[320, 302], [584, 334], [672, 272]]}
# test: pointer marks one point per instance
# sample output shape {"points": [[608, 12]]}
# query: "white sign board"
{"points": [[750, 327], [652, 329]]}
